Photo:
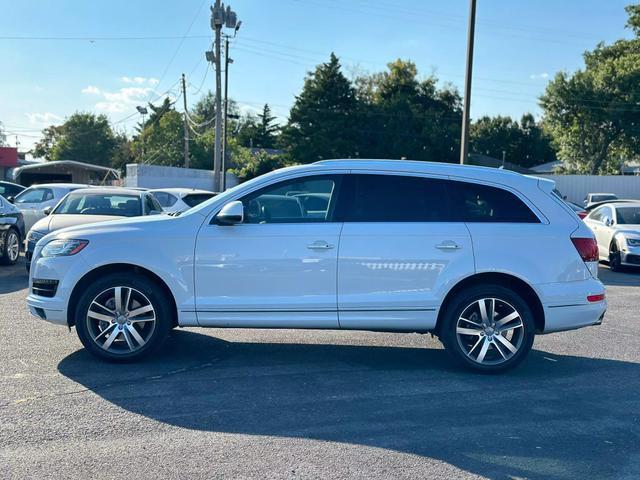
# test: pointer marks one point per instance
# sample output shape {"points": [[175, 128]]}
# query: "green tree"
{"points": [[266, 131], [161, 140], [84, 137], [523, 143], [251, 165], [594, 114], [322, 122], [122, 153], [404, 117]]}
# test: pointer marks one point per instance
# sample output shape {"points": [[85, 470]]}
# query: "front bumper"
{"points": [[631, 258]]}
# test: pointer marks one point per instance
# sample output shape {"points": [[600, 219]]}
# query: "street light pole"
{"points": [[464, 141], [217, 20]]}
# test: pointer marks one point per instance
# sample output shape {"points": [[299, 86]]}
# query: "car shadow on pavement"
{"points": [[554, 417], [629, 277], [13, 277]]}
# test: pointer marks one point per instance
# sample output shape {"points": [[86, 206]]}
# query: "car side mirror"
{"points": [[607, 221], [10, 199], [47, 210], [231, 214]]}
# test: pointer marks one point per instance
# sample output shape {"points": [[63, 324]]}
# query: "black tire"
{"points": [[505, 299], [139, 287], [10, 236], [615, 260]]}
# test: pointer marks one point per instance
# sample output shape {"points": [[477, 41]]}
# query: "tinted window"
{"points": [[596, 215], [602, 198], [393, 198], [151, 204], [472, 202], [285, 202], [194, 199], [35, 195], [628, 215]]}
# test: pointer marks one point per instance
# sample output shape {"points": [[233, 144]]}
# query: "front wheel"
{"points": [[123, 317], [488, 328], [615, 259]]}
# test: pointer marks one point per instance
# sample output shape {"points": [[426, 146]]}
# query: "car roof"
{"points": [[488, 174], [625, 204], [602, 193], [12, 184], [180, 191], [595, 205], [110, 190], [59, 185]]}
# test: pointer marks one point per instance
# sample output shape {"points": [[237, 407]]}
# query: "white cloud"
{"points": [[539, 76], [45, 118], [91, 90], [140, 80]]}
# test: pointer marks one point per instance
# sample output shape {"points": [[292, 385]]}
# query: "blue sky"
{"points": [[108, 57]]}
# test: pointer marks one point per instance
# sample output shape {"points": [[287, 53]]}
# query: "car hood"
{"points": [[55, 222], [131, 224]]}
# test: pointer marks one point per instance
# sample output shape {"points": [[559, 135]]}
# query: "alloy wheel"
{"points": [[490, 331], [13, 246], [121, 320]]}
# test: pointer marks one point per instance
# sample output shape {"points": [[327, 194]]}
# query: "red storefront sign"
{"points": [[8, 157]]}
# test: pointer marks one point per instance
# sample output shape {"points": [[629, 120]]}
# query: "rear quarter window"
{"points": [[476, 203]]}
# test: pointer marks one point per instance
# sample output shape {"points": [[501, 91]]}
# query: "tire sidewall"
{"points": [[5, 258], [465, 298], [150, 289]]}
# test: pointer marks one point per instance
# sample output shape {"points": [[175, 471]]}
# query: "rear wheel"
{"points": [[488, 328], [11, 249], [123, 317]]}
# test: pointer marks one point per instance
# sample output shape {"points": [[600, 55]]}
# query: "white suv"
{"points": [[481, 257]]}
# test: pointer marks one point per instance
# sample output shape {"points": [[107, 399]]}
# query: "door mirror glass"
{"points": [[231, 214], [47, 211]]}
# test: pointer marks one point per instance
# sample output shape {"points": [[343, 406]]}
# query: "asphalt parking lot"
{"points": [[312, 404]]}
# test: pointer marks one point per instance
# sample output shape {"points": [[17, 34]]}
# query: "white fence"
{"points": [[155, 176], [576, 187]]}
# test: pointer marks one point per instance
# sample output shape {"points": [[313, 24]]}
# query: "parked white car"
{"points": [[617, 230], [180, 199], [91, 205], [592, 198], [483, 258], [34, 201]]}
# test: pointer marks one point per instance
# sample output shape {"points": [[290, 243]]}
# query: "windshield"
{"points": [[602, 198], [99, 204], [34, 195], [628, 215]]}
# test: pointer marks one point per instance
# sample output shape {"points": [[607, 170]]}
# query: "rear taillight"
{"points": [[595, 298], [587, 248], [582, 214]]}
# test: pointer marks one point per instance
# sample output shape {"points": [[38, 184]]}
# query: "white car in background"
{"points": [[483, 258], [592, 198], [92, 205], [180, 199], [617, 230], [35, 200]]}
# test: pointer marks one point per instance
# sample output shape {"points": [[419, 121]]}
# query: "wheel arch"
{"points": [[512, 282], [118, 268]]}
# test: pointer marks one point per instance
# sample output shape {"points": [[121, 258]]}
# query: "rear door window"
{"points": [[393, 198], [35, 195], [477, 203]]}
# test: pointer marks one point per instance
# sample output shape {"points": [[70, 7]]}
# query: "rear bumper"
{"points": [[566, 307]]}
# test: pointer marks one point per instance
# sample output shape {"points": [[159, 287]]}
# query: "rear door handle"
{"points": [[448, 245], [320, 245]]}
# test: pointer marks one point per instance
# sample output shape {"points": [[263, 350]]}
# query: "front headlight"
{"points": [[34, 235], [63, 248], [633, 242]]}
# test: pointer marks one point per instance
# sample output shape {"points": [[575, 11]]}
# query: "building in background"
{"points": [[65, 171]]}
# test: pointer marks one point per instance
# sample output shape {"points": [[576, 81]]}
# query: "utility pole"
{"points": [[464, 142], [186, 125], [227, 61], [219, 17]]}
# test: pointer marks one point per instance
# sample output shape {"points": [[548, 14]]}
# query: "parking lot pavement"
{"points": [[292, 404]]}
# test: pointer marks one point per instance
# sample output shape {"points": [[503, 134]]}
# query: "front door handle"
{"points": [[320, 245], [448, 245]]}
